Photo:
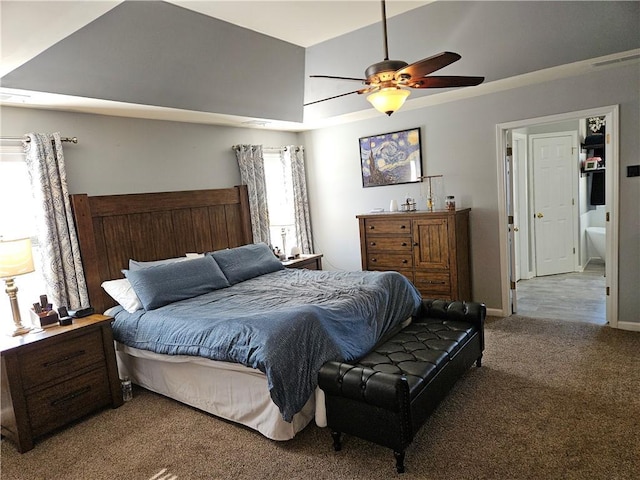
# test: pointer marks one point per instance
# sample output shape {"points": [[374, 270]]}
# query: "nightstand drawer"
{"points": [[380, 225], [389, 244], [57, 360], [58, 405], [390, 261]]}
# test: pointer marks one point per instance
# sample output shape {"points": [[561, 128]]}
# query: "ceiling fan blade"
{"points": [[362, 90], [339, 78], [424, 67], [446, 82]]}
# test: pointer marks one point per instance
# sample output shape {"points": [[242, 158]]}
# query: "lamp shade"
{"points": [[388, 100], [15, 257]]}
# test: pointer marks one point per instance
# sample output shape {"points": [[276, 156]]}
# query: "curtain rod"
{"points": [[27, 139]]}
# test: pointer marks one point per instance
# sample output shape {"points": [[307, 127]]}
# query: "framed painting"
{"points": [[391, 158]]}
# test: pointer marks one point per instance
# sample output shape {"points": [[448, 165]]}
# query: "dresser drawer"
{"points": [[67, 401], [389, 244], [381, 225], [390, 261], [62, 358], [433, 283]]}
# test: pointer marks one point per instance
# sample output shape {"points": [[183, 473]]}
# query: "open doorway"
{"points": [[550, 264]]}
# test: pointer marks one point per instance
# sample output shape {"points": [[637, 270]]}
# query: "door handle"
{"points": [[539, 215], [516, 229]]}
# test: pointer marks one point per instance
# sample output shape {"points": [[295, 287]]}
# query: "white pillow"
{"points": [[122, 292]]}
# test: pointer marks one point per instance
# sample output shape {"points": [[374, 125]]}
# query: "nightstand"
{"points": [[312, 261], [56, 376]]}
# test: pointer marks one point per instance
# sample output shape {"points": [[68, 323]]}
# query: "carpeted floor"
{"points": [[553, 400]]}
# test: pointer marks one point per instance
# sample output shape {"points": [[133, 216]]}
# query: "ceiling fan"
{"points": [[388, 81]]}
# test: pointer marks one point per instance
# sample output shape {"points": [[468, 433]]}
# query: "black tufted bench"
{"points": [[387, 395]]}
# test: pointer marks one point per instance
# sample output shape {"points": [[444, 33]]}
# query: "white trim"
{"points": [[631, 326], [611, 113]]}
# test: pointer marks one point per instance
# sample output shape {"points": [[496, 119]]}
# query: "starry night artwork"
{"points": [[391, 158]]}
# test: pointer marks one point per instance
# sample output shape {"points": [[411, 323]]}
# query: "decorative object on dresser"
{"points": [[56, 376], [391, 158], [312, 261], [15, 259], [429, 248]]}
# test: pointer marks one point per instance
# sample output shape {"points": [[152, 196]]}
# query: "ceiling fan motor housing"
{"points": [[383, 71]]}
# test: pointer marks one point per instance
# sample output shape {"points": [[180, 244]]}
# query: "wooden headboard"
{"points": [[152, 226]]}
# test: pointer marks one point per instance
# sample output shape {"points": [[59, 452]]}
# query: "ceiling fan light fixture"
{"points": [[388, 100]]}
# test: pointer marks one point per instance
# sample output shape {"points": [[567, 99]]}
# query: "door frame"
{"points": [[521, 213], [612, 174]]}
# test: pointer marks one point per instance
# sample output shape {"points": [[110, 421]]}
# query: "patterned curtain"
{"points": [[300, 200], [251, 166], [60, 253]]}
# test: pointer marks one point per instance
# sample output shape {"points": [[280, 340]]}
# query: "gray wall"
{"points": [[459, 141], [120, 155], [124, 155]]}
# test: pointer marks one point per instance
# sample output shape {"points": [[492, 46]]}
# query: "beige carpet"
{"points": [[552, 400]]}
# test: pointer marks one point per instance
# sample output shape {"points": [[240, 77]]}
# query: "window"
{"points": [[282, 225], [18, 221]]}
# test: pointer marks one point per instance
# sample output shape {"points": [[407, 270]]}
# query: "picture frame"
{"points": [[391, 158]]}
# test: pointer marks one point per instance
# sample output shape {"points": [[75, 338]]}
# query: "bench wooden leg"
{"points": [[399, 461], [337, 442]]}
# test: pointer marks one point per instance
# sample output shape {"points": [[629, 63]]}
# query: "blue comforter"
{"points": [[287, 324]]}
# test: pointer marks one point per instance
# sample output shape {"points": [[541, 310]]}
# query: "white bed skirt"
{"points": [[228, 390]]}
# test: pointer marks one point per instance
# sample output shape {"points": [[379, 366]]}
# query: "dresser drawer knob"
{"points": [[371, 227], [403, 244], [405, 261], [415, 244], [373, 244], [374, 259], [402, 227], [432, 282], [66, 358]]}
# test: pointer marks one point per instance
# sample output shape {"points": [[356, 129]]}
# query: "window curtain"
{"points": [[300, 199], [59, 249], [251, 165]]}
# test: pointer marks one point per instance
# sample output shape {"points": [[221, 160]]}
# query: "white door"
{"points": [[553, 186]]}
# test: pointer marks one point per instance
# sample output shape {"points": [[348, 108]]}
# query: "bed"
{"points": [[251, 347]]}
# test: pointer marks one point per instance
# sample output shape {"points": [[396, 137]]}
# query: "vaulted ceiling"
{"points": [[249, 61]]}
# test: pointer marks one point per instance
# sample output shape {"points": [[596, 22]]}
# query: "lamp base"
{"points": [[12, 291], [19, 330]]}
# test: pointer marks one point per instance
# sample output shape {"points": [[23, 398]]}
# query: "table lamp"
{"points": [[15, 259]]}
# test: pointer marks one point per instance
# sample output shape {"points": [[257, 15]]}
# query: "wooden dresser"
{"points": [[54, 377], [430, 248]]}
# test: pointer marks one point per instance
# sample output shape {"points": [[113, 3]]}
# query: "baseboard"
{"points": [[496, 312], [631, 326]]}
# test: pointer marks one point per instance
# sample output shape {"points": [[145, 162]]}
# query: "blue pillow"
{"points": [[162, 284], [248, 261]]}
